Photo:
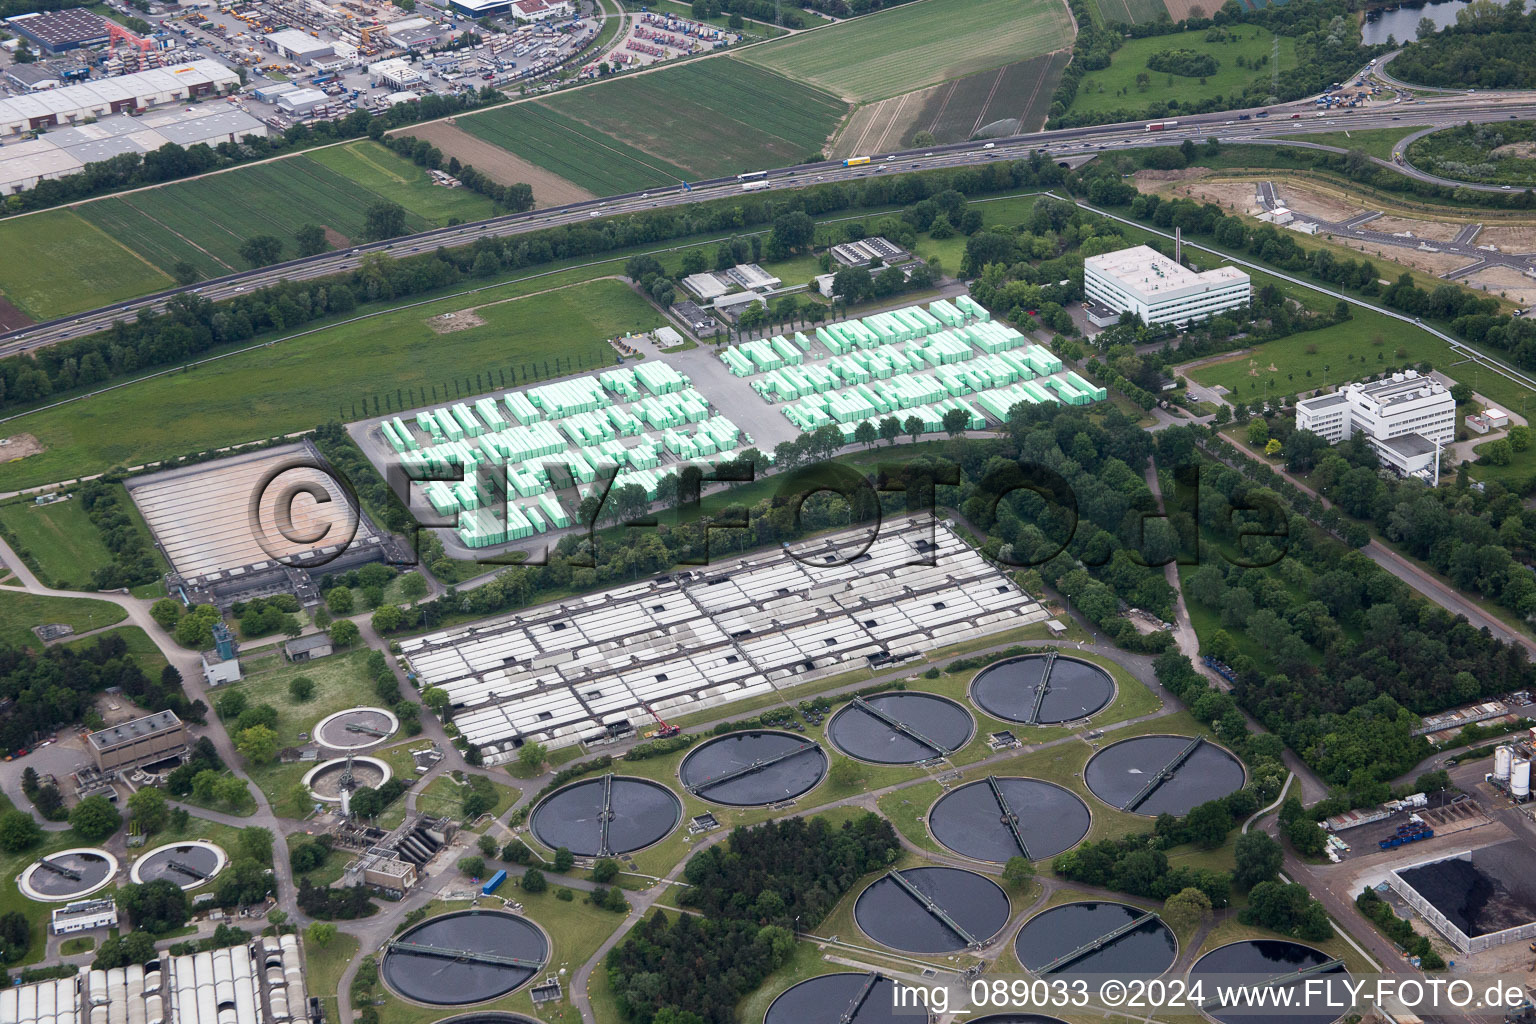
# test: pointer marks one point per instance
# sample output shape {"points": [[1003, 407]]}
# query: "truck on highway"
{"points": [[855, 161], [1160, 126]]}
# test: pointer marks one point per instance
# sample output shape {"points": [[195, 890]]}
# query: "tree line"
{"points": [[191, 326], [1489, 47], [172, 162]]}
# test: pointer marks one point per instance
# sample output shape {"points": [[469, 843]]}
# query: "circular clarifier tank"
{"points": [[1048, 941], [1259, 960], [324, 780], [189, 864], [931, 909], [749, 769], [68, 874], [1010, 689], [606, 816], [903, 727], [466, 957], [973, 822], [356, 728], [488, 1017], [1155, 775], [831, 997]]}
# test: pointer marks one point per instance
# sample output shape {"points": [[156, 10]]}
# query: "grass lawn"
{"points": [[20, 611], [444, 797], [57, 263], [1356, 348], [724, 116], [63, 545], [140, 645], [78, 944], [1378, 142], [324, 966], [252, 394], [1114, 88], [917, 45]]}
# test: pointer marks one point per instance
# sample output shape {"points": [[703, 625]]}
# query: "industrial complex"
{"points": [[1407, 418]]}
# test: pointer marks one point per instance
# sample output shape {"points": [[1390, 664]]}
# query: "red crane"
{"points": [[666, 730]]}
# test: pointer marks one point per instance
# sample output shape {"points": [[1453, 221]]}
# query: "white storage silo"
{"points": [[1503, 757], [1520, 779]]}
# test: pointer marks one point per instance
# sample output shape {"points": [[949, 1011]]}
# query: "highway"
{"points": [[1235, 127]]}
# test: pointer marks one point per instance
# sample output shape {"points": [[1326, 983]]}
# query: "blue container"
{"points": [[495, 882]]}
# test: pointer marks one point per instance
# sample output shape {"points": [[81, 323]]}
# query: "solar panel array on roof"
{"points": [[679, 644]]}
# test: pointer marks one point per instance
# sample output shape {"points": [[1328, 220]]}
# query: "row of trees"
{"points": [[1488, 47], [172, 162], [192, 326]]}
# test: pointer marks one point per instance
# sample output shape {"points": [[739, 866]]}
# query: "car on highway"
{"points": [[1508, 187]]}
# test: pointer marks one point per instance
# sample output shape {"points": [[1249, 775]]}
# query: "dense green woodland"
{"points": [[752, 891], [56, 687], [1328, 49], [1489, 47]]}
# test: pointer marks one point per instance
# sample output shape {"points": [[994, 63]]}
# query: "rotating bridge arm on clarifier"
{"points": [[1164, 774], [366, 730], [748, 769], [605, 816], [59, 869], [1045, 684], [186, 869], [858, 1000], [936, 911], [900, 726], [471, 955], [1288, 979], [1009, 818], [1096, 944]]}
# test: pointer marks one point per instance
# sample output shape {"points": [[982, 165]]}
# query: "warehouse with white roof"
{"points": [[100, 97], [262, 983], [596, 666]]}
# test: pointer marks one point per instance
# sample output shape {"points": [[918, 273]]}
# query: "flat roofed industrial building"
{"points": [[1143, 281], [1404, 417], [139, 742], [592, 666], [58, 31], [68, 150], [260, 983], [203, 517], [152, 88]]}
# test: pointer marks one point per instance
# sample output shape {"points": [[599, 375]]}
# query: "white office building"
{"points": [[1405, 417], [1143, 281], [83, 916]]}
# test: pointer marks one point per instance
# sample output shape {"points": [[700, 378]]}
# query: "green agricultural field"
{"points": [[204, 221], [1356, 348], [56, 263], [721, 117], [1019, 92], [273, 390], [917, 45], [1133, 12], [1378, 142], [1114, 88]]}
